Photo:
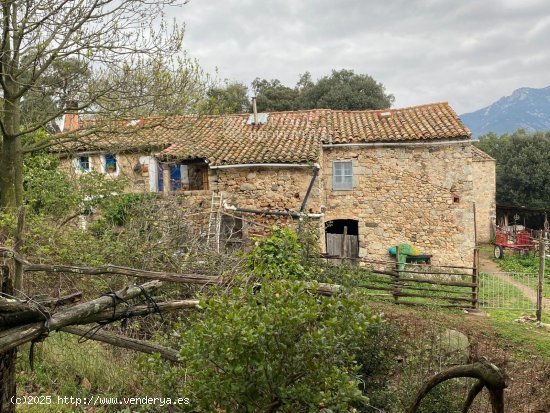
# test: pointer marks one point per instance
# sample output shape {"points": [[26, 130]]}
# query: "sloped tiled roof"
{"points": [[479, 156], [286, 137], [426, 122]]}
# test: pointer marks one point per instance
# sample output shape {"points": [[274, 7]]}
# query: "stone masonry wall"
{"points": [[484, 196], [135, 181], [422, 195], [274, 189]]}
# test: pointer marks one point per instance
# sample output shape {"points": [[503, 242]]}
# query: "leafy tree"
{"points": [[344, 90], [228, 98], [107, 35], [279, 347], [522, 167], [60, 86], [273, 96], [278, 256], [156, 86]]}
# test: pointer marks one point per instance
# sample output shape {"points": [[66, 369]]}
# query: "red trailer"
{"points": [[522, 243]]}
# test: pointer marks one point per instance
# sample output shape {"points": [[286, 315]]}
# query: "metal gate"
{"points": [[507, 290]]}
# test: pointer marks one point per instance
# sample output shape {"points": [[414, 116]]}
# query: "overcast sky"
{"points": [[466, 52]]}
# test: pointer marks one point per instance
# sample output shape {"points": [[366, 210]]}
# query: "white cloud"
{"points": [[467, 52]]}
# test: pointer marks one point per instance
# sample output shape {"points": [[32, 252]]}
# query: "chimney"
{"points": [[71, 119], [255, 110]]}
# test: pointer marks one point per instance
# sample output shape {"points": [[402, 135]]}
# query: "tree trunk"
{"points": [[11, 202], [7, 358], [7, 380]]}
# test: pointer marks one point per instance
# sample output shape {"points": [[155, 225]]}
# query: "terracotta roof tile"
{"points": [[289, 137]]}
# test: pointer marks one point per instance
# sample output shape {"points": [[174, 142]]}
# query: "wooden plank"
{"points": [[402, 294], [437, 290], [434, 273], [368, 287], [124, 342], [343, 243], [437, 282], [334, 243]]}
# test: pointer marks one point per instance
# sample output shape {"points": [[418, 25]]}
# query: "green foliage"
{"points": [[342, 89], [65, 367], [49, 190], [279, 346], [277, 349], [62, 83], [273, 96], [229, 98], [522, 167], [278, 256], [521, 264], [118, 209], [163, 85]]}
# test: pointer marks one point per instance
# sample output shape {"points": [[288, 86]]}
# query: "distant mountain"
{"points": [[526, 108]]}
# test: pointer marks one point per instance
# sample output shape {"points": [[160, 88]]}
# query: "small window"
{"points": [[342, 175], [84, 164], [110, 164]]}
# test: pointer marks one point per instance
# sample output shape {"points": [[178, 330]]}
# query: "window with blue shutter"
{"points": [[110, 164]]}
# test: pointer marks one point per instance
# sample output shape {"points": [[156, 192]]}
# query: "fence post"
{"points": [[475, 280], [395, 289], [542, 256]]}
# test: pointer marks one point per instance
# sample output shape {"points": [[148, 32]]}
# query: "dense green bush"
{"points": [[280, 347], [279, 256]]}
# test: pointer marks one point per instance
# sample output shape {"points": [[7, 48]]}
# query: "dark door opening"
{"points": [[342, 238]]}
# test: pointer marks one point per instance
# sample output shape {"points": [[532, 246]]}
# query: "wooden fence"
{"points": [[421, 284]]}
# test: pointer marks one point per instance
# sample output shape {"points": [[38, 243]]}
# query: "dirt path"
{"points": [[487, 265]]}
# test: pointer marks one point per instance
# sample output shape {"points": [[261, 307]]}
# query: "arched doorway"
{"points": [[342, 238]]}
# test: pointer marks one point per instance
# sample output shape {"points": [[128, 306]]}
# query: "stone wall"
{"points": [[277, 189], [421, 195], [274, 189], [485, 198], [136, 180]]}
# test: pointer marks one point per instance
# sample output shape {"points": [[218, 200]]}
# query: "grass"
{"points": [[497, 293], [525, 340], [64, 367], [526, 264]]}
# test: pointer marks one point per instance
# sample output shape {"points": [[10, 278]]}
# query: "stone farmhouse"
{"points": [[382, 177]]}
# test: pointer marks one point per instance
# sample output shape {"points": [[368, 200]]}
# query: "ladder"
{"points": [[215, 222]]}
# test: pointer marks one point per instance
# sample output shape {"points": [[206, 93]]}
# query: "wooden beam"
{"points": [[140, 310], [16, 336], [124, 342], [130, 272]]}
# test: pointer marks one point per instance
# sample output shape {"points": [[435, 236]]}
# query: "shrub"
{"points": [[278, 256], [281, 348]]}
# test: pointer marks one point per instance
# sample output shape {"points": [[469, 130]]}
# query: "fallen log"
{"points": [[124, 342], [16, 336], [139, 310], [63, 300], [14, 312]]}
